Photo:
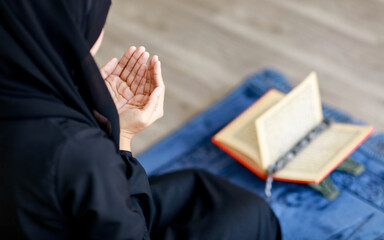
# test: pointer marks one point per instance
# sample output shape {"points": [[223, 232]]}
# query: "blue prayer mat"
{"points": [[357, 213]]}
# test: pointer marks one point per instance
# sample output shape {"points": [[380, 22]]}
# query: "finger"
{"points": [[159, 109], [159, 83], [142, 85], [149, 87], [139, 77], [124, 60], [158, 112], [153, 103], [140, 61], [157, 75], [108, 68], [132, 62]]}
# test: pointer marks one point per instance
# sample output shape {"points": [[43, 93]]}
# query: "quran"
{"points": [[284, 136]]}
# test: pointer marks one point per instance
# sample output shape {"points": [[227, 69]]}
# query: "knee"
{"points": [[256, 204], [198, 175], [255, 210]]}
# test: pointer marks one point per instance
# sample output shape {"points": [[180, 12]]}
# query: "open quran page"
{"points": [[325, 152], [240, 134], [288, 121]]}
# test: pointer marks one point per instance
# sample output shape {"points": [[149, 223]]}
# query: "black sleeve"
{"points": [[103, 195]]}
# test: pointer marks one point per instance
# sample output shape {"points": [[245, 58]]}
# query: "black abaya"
{"points": [[62, 179], [61, 174], [194, 204]]}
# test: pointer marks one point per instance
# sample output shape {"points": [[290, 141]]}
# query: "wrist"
{"points": [[125, 140]]}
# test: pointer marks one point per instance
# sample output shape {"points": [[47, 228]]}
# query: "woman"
{"points": [[66, 171]]}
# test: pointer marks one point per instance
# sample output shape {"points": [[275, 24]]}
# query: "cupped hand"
{"points": [[136, 89]]}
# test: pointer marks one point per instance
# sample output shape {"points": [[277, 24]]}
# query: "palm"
{"points": [[124, 96], [131, 84], [134, 105]]}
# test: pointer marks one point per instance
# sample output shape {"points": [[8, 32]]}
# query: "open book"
{"points": [[270, 128]]}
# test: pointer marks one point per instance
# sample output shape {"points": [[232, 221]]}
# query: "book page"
{"points": [[325, 152], [286, 123], [240, 134]]}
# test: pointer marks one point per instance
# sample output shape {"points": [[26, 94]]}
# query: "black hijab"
{"points": [[46, 69]]}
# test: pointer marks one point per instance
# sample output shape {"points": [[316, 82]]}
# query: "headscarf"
{"points": [[46, 69]]}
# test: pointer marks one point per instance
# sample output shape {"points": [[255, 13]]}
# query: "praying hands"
{"points": [[137, 90]]}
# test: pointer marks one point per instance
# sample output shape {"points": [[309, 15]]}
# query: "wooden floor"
{"points": [[207, 47]]}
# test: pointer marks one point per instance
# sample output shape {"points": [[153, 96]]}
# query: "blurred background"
{"points": [[207, 47]]}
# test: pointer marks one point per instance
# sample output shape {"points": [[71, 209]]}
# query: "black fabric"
{"points": [[61, 174], [61, 179], [46, 69], [194, 204]]}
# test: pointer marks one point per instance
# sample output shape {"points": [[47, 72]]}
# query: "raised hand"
{"points": [[137, 90], [120, 75]]}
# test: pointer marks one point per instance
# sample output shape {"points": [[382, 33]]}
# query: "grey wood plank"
{"points": [[208, 47]]}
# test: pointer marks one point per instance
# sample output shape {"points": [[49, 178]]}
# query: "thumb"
{"points": [[108, 68], [153, 101]]}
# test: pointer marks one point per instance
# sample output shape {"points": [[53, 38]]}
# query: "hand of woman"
{"points": [[137, 90]]}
